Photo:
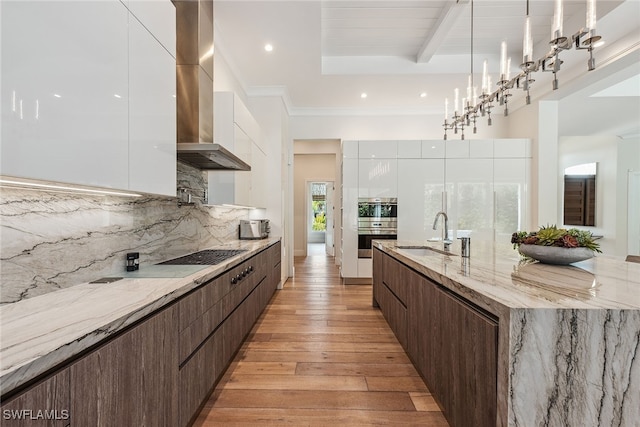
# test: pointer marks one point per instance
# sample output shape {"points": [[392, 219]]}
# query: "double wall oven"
{"points": [[377, 219]]}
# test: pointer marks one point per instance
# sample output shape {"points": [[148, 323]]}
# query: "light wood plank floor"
{"points": [[321, 355]]}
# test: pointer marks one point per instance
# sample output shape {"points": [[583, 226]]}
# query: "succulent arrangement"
{"points": [[554, 236]]}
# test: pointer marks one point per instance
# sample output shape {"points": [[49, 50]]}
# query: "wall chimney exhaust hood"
{"points": [[194, 74], [210, 156]]}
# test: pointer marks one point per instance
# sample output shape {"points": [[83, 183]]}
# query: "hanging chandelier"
{"points": [[467, 111]]}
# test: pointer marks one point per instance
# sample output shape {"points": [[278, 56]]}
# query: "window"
{"points": [[319, 206]]}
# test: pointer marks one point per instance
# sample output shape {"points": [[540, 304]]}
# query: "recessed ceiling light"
{"points": [[268, 47], [423, 95], [363, 95]]}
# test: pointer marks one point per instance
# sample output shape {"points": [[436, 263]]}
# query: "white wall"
{"points": [[383, 127]]}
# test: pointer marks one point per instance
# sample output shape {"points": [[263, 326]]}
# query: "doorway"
{"points": [[320, 217]]}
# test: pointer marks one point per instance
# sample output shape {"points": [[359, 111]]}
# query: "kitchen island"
{"points": [[143, 350], [504, 342]]}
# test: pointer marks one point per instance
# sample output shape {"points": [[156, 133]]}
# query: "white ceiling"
{"points": [[326, 53]]}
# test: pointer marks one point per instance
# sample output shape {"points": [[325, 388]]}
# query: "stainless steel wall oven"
{"points": [[377, 219]]}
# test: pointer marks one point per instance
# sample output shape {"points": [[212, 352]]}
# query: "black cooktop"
{"points": [[206, 257]]}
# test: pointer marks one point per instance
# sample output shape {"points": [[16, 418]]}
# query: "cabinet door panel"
{"points": [[420, 197], [199, 375], [455, 350], [378, 177], [64, 91], [470, 196], [395, 313], [470, 380], [378, 149], [349, 262], [132, 379], [50, 397], [152, 114], [159, 17], [511, 194]]}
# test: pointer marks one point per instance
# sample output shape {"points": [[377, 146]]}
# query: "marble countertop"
{"points": [[496, 278], [43, 332]]}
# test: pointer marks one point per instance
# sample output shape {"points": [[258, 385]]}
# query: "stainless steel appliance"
{"points": [[377, 220], [254, 229]]}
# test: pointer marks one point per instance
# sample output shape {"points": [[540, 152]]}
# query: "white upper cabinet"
{"points": [[433, 149], [378, 149], [378, 169], [457, 149], [378, 177], [409, 149], [90, 93], [152, 113], [481, 149], [236, 129], [65, 92], [512, 148], [350, 149], [159, 18]]}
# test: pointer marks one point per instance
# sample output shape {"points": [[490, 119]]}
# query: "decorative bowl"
{"points": [[555, 254]]}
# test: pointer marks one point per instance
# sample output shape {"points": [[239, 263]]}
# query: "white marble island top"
{"points": [[568, 336], [40, 333], [496, 276]]}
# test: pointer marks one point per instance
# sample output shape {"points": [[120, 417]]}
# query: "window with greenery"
{"points": [[318, 206]]}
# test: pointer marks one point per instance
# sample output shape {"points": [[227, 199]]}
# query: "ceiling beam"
{"points": [[450, 13]]}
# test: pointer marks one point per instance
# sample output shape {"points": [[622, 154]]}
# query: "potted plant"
{"points": [[553, 245]]}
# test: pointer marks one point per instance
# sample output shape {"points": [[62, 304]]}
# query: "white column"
{"points": [[548, 172]]}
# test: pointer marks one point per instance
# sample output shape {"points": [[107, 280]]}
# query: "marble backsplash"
{"points": [[54, 240]]}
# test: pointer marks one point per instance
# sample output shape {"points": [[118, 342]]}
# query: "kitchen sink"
{"points": [[421, 251], [205, 257]]}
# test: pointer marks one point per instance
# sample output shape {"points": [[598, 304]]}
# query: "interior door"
{"points": [[329, 236]]}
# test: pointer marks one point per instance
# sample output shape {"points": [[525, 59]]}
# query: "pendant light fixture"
{"points": [[467, 112]]}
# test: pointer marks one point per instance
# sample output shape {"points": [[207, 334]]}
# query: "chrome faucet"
{"points": [[445, 240]]}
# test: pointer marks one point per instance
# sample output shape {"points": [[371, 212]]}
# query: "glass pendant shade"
{"points": [[591, 15], [527, 42], [503, 60], [556, 27]]}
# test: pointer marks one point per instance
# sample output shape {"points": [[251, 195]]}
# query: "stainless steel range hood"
{"points": [[210, 157], [194, 74]]}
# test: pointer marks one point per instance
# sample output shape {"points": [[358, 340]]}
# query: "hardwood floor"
{"points": [[321, 355]]}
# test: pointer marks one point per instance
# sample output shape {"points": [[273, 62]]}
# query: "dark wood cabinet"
{"points": [[46, 404], [210, 338], [132, 379], [161, 370], [452, 343]]}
